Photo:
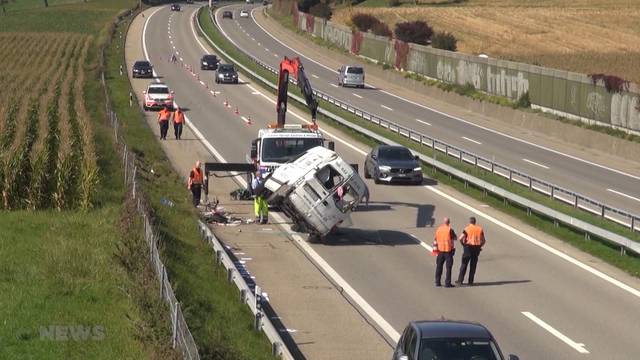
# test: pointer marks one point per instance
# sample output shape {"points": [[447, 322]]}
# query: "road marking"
{"points": [[452, 116], [422, 243], [266, 49], [177, 52], [536, 164], [386, 107], [623, 194], [423, 122], [356, 95], [173, 46], [201, 82], [315, 76], [248, 122], [471, 140], [577, 346], [275, 55], [334, 85], [252, 38], [255, 93], [258, 43], [181, 60]]}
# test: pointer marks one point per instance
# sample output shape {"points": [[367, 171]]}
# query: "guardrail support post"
{"points": [[551, 193], [633, 224], [230, 275], [258, 321], [528, 211], [623, 251], [510, 176], [243, 296], [587, 236], [603, 211], [276, 349]]}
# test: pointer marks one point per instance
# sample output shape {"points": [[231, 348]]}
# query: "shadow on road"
{"points": [[498, 283], [350, 237], [424, 216]]}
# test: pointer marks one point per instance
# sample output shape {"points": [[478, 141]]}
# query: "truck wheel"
{"points": [[314, 238]]}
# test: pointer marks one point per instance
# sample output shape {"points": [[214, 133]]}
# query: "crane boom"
{"points": [[293, 67]]}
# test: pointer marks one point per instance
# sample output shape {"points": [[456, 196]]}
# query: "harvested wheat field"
{"points": [[587, 36], [47, 155]]}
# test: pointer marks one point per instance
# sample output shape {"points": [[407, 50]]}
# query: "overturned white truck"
{"points": [[317, 191]]}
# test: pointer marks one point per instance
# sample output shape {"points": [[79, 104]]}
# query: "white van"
{"points": [[351, 75]]}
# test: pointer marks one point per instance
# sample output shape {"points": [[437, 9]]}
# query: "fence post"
{"points": [[551, 193], [175, 325], [633, 223]]}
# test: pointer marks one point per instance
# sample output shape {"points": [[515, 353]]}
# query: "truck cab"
{"points": [[317, 191], [276, 146]]}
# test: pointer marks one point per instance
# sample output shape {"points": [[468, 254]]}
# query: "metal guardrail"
{"points": [[553, 191], [250, 295]]}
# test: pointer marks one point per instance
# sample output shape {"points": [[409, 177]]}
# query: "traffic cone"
{"points": [[226, 103], [237, 112], [248, 120]]}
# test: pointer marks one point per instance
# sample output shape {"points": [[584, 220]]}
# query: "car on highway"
{"points": [[142, 69], [209, 62], [156, 96], [227, 14], [175, 7], [444, 339], [189, 1], [351, 75], [244, 14], [389, 163], [226, 73]]}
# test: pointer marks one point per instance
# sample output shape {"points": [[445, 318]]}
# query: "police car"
{"points": [[157, 96]]}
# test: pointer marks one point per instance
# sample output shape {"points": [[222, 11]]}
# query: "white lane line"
{"points": [[275, 55], [577, 346], [623, 194], [471, 140], [536, 164], [334, 85], [201, 82], [266, 49], [255, 93], [356, 95], [422, 243], [315, 76], [423, 122], [452, 116], [258, 43], [181, 60], [252, 38], [173, 46], [386, 107]]}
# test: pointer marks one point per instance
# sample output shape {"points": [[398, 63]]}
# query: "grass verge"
{"points": [[64, 292], [221, 325], [596, 247]]}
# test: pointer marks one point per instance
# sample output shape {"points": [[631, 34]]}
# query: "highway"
{"points": [[540, 298], [611, 186]]}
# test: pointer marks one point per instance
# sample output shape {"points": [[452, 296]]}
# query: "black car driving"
{"points": [[444, 339], [227, 14], [175, 7], [226, 73], [142, 69], [209, 62], [387, 163]]}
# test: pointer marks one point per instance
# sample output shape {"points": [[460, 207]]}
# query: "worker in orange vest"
{"points": [[163, 121], [472, 239], [178, 121], [196, 179], [444, 244]]}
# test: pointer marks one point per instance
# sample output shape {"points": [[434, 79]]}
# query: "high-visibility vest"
{"points": [[164, 115], [443, 238], [474, 234], [178, 117], [197, 176]]}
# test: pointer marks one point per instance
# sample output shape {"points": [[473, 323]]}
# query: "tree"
{"points": [[321, 10], [364, 22], [305, 5], [418, 32], [444, 40]]}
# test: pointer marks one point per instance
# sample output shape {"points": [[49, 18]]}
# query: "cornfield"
{"points": [[47, 154]]}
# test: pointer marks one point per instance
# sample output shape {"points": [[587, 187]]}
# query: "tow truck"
{"points": [[311, 184]]}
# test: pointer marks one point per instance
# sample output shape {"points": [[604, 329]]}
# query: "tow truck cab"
{"points": [[276, 146], [317, 191]]}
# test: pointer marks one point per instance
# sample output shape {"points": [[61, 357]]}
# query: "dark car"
{"points": [[189, 1], [443, 339], [175, 7], [209, 62], [227, 15], [392, 163], [226, 73], [142, 69]]}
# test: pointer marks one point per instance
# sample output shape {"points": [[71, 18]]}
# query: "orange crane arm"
{"points": [[293, 67]]}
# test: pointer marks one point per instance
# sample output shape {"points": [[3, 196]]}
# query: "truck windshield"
{"points": [[281, 150]]}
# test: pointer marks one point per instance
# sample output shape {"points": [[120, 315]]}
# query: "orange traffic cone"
{"points": [[237, 112], [226, 103]]}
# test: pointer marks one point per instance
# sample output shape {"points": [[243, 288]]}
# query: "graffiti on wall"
{"points": [[337, 36], [507, 85], [625, 111], [596, 104]]}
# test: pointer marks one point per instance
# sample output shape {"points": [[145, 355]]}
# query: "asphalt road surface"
{"points": [[539, 297], [598, 181]]}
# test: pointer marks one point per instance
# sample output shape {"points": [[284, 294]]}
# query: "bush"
{"points": [[364, 22], [444, 40], [321, 10], [418, 32], [381, 29], [523, 101], [305, 5], [393, 3]]}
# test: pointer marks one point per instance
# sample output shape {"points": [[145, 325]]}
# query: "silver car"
{"points": [[349, 75]]}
